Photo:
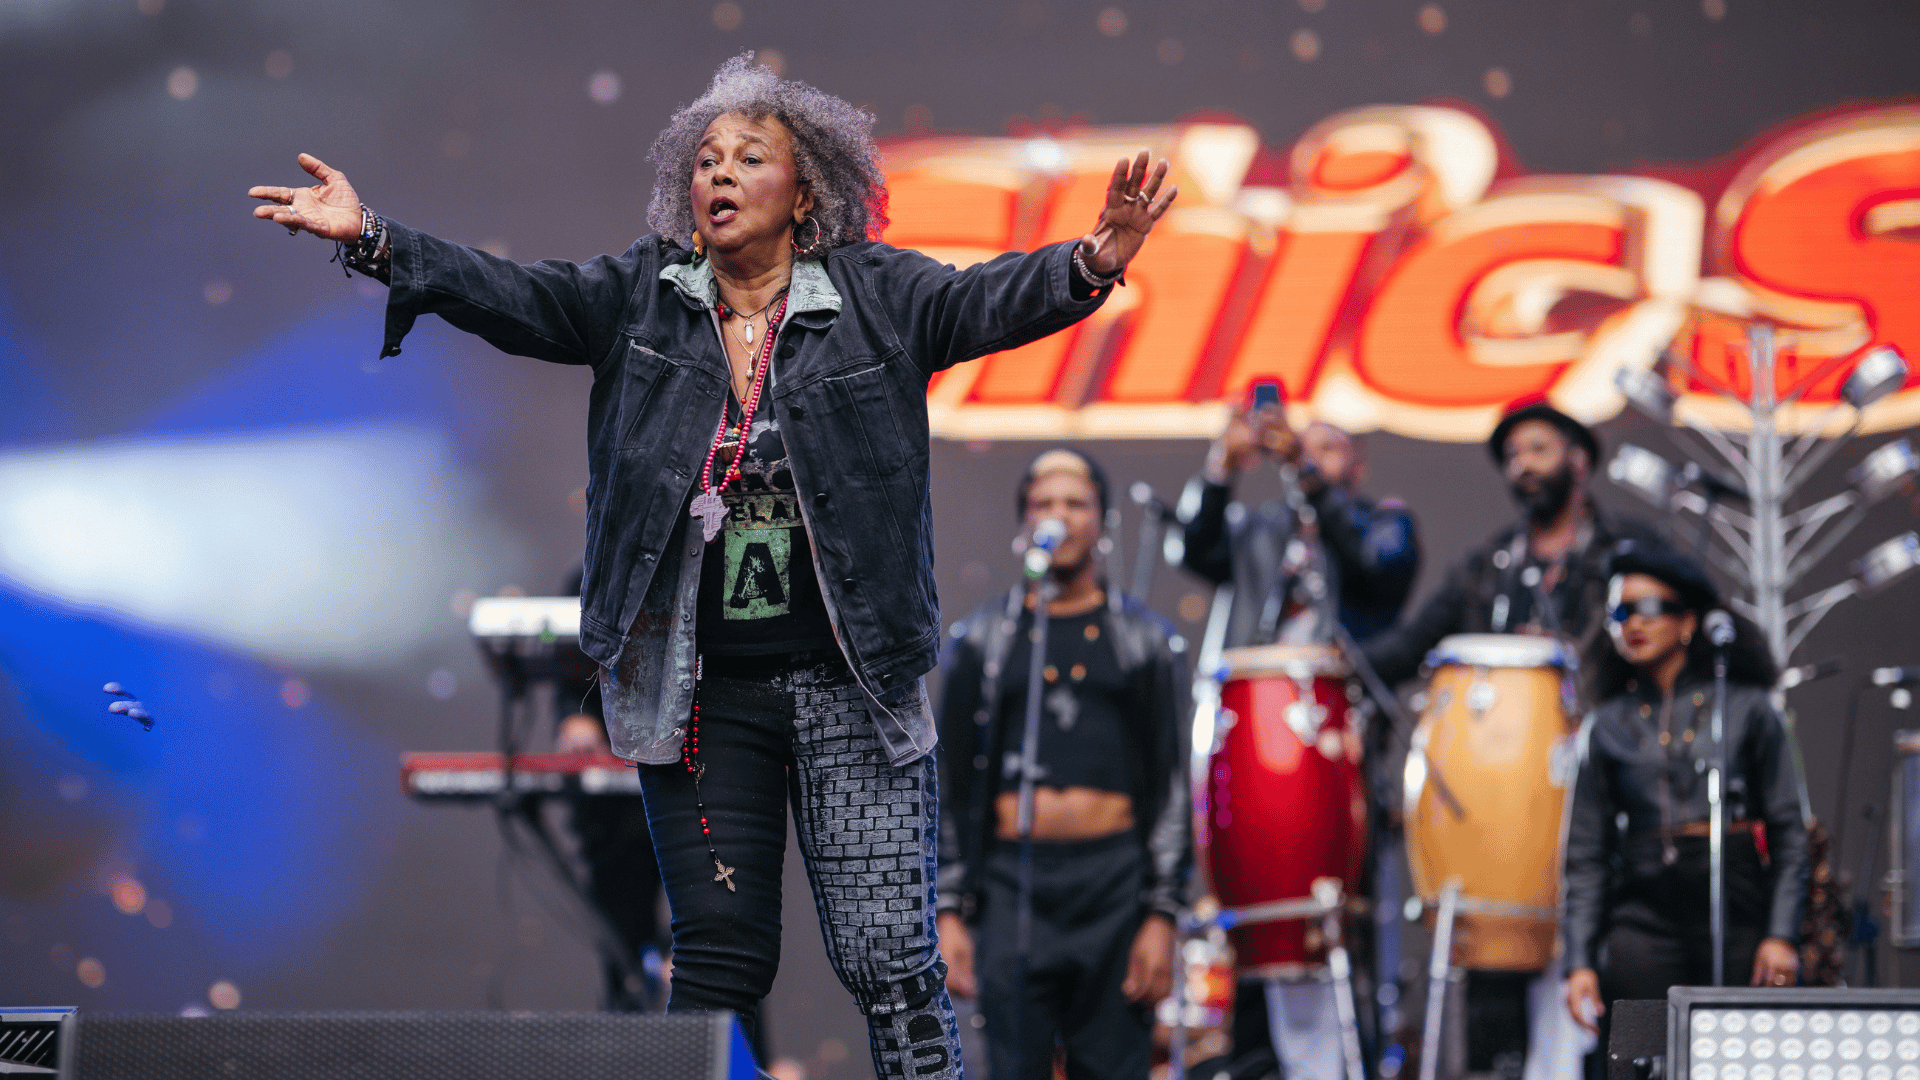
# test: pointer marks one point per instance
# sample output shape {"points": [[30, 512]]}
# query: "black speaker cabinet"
{"points": [[406, 1046], [1636, 1031]]}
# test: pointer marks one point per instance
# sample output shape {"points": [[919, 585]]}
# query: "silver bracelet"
{"points": [[1091, 278]]}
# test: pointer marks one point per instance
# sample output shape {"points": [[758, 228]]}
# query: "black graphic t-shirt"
{"points": [[758, 590]]}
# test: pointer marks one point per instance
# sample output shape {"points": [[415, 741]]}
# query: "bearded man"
{"points": [[1544, 575]]}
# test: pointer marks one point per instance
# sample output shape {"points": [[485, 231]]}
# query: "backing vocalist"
{"points": [[1636, 918]]}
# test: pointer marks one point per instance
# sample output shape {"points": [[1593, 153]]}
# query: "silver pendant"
{"points": [[709, 510]]}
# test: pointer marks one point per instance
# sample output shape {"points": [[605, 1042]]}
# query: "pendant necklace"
{"points": [[708, 508], [747, 334]]}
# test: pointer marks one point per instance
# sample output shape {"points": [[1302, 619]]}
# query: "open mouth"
{"points": [[722, 210]]}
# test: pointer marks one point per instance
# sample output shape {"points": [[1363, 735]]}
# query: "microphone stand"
{"points": [[1043, 593], [1717, 815]]}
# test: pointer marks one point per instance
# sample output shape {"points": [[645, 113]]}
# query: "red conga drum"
{"points": [[1284, 801]]}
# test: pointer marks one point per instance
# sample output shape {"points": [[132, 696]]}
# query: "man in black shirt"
{"points": [[1544, 575], [1112, 840]]}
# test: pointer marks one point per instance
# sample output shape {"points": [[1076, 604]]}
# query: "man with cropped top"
{"points": [[1112, 843]]}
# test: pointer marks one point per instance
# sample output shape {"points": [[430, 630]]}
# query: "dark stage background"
{"points": [[212, 491]]}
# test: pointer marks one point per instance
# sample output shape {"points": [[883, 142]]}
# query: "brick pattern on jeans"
{"points": [[869, 833]]}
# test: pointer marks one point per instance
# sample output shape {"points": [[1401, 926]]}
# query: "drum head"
{"points": [[1289, 661], [1500, 651]]}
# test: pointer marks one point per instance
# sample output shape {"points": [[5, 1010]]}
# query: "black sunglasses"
{"points": [[1646, 607]]}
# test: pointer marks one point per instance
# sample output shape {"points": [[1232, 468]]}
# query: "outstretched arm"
{"points": [[553, 310], [947, 316]]}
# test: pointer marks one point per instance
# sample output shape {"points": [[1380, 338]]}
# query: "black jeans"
{"points": [[1659, 932], [1086, 911], [772, 734]]}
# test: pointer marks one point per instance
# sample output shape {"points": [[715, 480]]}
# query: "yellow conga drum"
{"points": [[1487, 777]]}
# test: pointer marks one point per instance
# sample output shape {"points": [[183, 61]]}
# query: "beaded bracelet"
{"points": [[1091, 278], [371, 253]]}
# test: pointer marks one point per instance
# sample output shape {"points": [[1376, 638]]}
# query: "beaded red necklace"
{"points": [[708, 508]]}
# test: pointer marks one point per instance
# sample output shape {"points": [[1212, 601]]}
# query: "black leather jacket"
{"points": [[1621, 762], [973, 736], [1374, 554], [1480, 591]]}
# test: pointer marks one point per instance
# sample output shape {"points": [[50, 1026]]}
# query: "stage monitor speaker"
{"points": [[406, 1046], [30, 1039], [1792, 1033], [1636, 1032]]}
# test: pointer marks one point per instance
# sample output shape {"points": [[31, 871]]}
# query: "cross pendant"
{"points": [[725, 874]]}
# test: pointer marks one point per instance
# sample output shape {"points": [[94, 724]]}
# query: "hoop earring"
{"points": [[819, 239]]}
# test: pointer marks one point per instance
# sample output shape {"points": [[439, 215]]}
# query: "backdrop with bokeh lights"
{"points": [[215, 493]]}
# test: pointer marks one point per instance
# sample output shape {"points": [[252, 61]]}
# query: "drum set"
{"points": [[1281, 813]]}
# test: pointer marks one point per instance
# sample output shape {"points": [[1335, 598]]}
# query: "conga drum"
{"points": [[1496, 732], [1283, 803]]}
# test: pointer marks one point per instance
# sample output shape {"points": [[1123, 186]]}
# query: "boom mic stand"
{"points": [[1719, 627], [1039, 561]]}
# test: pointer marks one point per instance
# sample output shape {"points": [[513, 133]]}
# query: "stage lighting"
{"points": [[1878, 374], [1792, 1033], [1888, 561], [1879, 471], [1648, 392], [1045, 155], [1643, 472]]}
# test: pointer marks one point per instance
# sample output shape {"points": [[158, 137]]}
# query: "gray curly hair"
{"points": [[833, 151]]}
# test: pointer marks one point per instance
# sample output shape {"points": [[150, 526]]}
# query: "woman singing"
{"points": [[759, 566], [1637, 917]]}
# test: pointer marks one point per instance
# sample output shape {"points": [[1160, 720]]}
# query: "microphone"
{"points": [[1896, 676], [1719, 626], [1806, 673], [1047, 537]]}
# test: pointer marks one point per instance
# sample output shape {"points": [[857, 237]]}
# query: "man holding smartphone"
{"points": [[1372, 554], [1372, 548]]}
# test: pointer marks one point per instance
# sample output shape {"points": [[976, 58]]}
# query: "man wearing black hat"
{"points": [[1112, 840], [1543, 575], [1546, 574]]}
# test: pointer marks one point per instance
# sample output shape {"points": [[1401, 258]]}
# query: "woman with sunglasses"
{"points": [[1637, 917]]}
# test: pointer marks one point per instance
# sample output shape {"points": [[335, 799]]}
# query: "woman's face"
{"points": [[746, 189], [1647, 641]]}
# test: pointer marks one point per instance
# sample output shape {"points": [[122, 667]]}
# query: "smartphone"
{"points": [[1265, 392]]}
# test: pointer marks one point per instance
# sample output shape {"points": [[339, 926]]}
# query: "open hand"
{"points": [[1583, 999], [956, 948], [1134, 203], [1775, 964], [1150, 964], [329, 209]]}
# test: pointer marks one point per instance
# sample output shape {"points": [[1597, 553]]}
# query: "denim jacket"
{"points": [[865, 330]]}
